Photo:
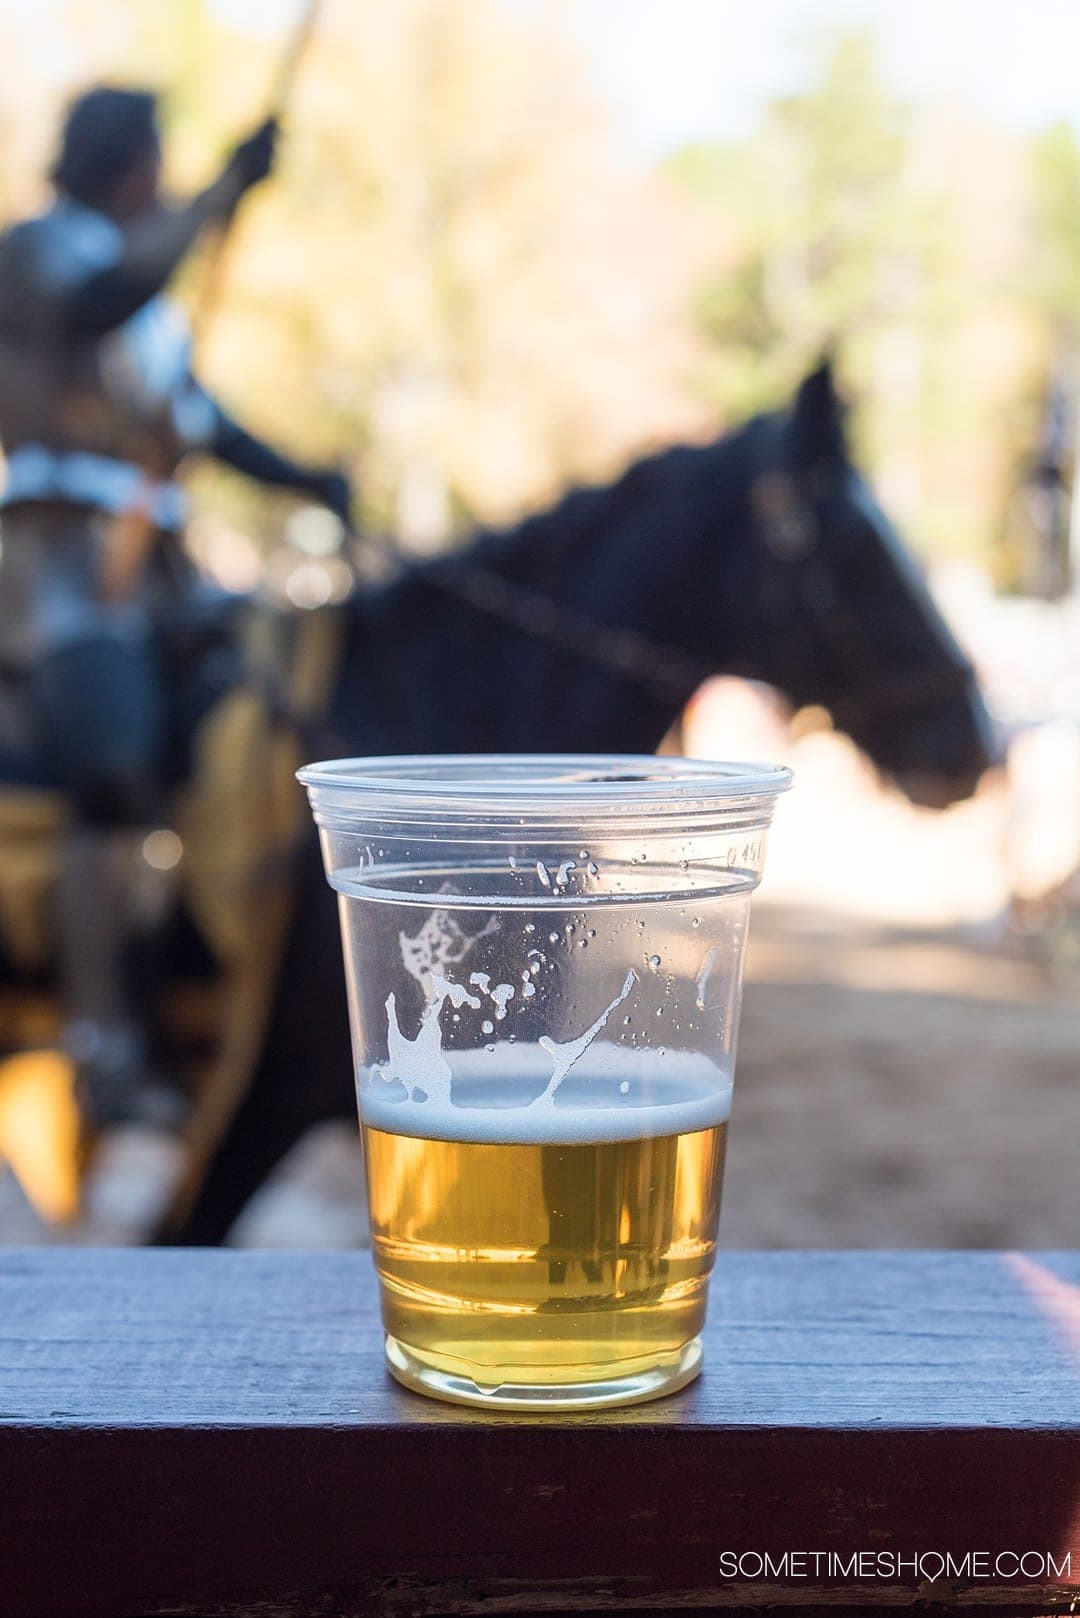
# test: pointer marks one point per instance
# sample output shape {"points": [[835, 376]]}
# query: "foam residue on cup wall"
{"points": [[564, 1055], [420, 1068], [499, 996], [419, 1065], [496, 1032]]}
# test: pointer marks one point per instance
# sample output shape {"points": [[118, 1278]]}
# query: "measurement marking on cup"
{"points": [[563, 1056]]}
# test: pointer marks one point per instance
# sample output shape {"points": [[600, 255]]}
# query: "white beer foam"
{"points": [[503, 1096]]}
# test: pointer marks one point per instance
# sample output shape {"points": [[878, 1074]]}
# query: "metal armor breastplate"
{"points": [[126, 402]]}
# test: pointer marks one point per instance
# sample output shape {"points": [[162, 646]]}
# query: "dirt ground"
{"points": [[896, 1087], [901, 1089]]}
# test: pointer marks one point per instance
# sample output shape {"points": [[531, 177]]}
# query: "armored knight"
{"points": [[98, 407]]}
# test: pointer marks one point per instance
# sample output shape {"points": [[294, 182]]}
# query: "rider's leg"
{"points": [[99, 703], [100, 933]]}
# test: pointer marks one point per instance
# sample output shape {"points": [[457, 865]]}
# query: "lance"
{"points": [[285, 78], [130, 538]]}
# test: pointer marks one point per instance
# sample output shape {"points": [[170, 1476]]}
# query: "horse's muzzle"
{"points": [[927, 791], [938, 788]]}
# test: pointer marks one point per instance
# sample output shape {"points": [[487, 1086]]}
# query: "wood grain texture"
{"points": [[214, 1432]]}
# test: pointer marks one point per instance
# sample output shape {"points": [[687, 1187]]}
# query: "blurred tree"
{"points": [[847, 218], [1054, 272], [820, 242], [1034, 536], [453, 278]]}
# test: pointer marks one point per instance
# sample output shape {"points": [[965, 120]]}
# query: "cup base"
{"points": [[413, 1370]]}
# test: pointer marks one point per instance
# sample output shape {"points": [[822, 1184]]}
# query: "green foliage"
{"points": [[812, 196], [895, 235], [1055, 268]]}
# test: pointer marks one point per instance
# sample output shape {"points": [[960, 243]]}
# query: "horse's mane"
{"points": [[586, 508], [557, 531]]}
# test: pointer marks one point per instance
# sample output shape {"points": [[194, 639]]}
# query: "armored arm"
{"points": [[234, 446], [151, 254], [151, 249]]}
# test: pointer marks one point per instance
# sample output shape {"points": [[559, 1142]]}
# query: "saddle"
{"points": [[238, 815]]}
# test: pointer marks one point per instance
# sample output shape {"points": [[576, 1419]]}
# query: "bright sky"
{"points": [[683, 69], [680, 70]]}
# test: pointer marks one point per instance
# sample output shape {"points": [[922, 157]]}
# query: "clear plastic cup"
{"points": [[544, 961]]}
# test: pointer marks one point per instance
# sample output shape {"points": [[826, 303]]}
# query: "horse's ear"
{"points": [[817, 419]]}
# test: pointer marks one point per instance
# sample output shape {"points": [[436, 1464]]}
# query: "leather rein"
{"points": [[791, 532]]}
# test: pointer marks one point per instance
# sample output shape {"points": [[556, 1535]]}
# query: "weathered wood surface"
{"points": [[214, 1433]]}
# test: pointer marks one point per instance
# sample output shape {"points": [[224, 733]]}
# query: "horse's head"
{"points": [[852, 626]]}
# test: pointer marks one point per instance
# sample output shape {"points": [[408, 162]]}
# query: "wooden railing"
{"points": [[214, 1433]]}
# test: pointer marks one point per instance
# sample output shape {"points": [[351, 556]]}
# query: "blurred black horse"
{"points": [[586, 629]]}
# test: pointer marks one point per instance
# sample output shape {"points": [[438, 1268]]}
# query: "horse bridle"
{"points": [[654, 666], [791, 532]]}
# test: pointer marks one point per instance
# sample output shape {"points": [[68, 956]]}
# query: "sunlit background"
{"points": [[551, 236], [548, 235]]}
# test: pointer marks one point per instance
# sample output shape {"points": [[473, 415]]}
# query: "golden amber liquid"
{"points": [[544, 1263]]}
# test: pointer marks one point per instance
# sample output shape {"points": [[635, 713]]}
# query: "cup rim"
{"points": [[534, 782]]}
